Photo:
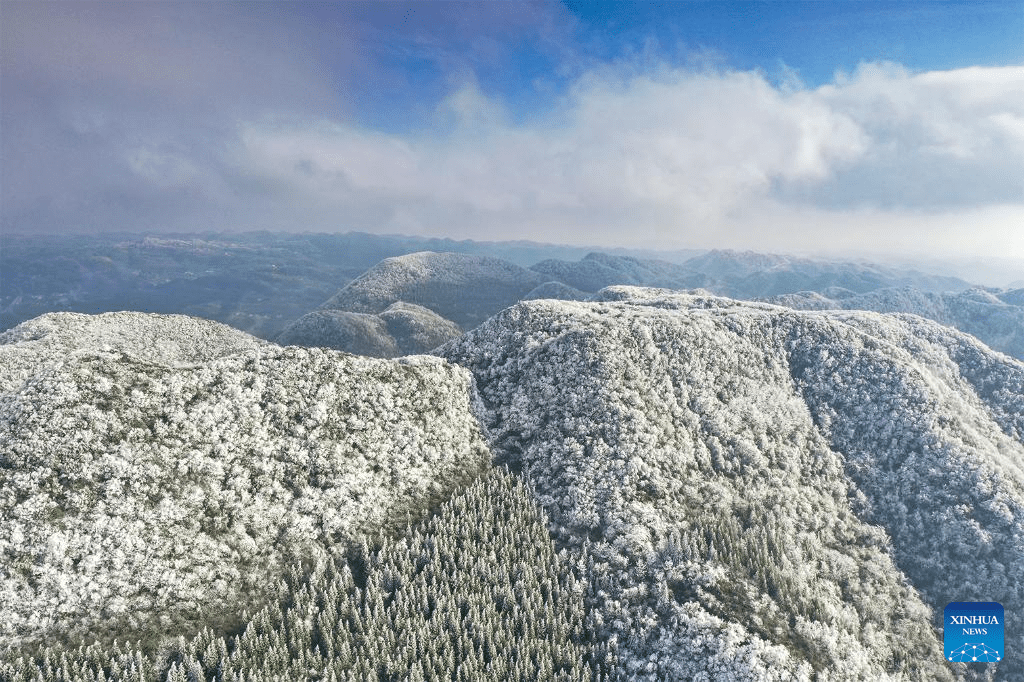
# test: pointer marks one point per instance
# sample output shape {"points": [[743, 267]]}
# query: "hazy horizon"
{"points": [[994, 271], [832, 129]]}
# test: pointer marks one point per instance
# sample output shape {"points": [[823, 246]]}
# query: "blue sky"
{"points": [[854, 127]]}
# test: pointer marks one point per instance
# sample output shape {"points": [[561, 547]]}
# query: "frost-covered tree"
{"points": [[158, 473], [476, 592], [762, 493]]}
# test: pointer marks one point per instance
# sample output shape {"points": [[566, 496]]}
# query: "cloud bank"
{"points": [[639, 152]]}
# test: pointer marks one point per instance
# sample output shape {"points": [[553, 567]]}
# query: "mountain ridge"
{"points": [[748, 491], [630, 408], [144, 494]]}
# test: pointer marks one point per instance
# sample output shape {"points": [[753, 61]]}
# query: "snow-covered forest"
{"points": [[157, 474], [476, 592], [511, 341], [644, 484]]}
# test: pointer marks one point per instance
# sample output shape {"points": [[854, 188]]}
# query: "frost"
{"points": [[144, 459], [762, 493]]}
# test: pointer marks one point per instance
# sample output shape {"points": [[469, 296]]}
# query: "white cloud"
{"points": [[141, 116], [881, 159]]}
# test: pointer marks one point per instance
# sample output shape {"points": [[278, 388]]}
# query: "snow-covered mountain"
{"points": [[763, 493], [558, 291], [462, 288], [727, 264], [747, 274], [598, 270], [468, 289], [158, 474], [735, 491], [997, 318], [402, 329], [258, 282], [1014, 296], [740, 274], [416, 302]]}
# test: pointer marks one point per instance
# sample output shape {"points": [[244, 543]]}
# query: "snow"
{"points": [[998, 321], [162, 469], [402, 329], [769, 489], [751, 491], [465, 289]]}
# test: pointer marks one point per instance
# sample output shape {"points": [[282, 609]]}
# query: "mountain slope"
{"points": [[402, 329], [598, 270], [557, 291], [995, 319], [358, 333], [474, 593], [755, 486], [746, 274], [745, 491], [1013, 295], [462, 288], [159, 473], [167, 339]]}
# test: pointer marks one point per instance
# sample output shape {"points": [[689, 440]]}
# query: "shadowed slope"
{"points": [[462, 288], [402, 329]]}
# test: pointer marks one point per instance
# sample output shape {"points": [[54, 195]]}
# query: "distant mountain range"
{"points": [[697, 488], [466, 289], [599, 270], [334, 290], [258, 282], [739, 274], [995, 317]]}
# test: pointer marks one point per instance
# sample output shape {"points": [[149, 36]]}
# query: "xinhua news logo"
{"points": [[972, 631]]}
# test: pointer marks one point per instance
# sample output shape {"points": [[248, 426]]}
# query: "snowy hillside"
{"points": [[462, 288], [557, 291], [402, 329], [473, 593], [746, 274], [764, 493], [995, 318], [158, 474], [359, 333], [599, 270], [734, 491], [166, 339]]}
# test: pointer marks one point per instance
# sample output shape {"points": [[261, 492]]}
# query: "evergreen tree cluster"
{"points": [[476, 592]]}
